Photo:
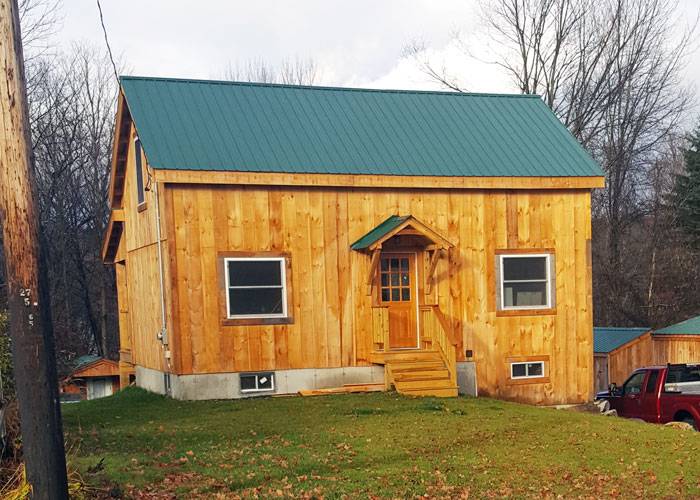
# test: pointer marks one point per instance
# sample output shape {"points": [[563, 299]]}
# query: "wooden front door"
{"points": [[398, 294]]}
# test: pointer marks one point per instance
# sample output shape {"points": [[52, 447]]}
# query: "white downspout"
{"points": [[163, 334]]}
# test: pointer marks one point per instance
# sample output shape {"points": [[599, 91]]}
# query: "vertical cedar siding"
{"points": [[332, 312]]}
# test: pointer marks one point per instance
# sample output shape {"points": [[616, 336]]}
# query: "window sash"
{"points": [[256, 377], [283, 287], [547, 279], [527, 369]]}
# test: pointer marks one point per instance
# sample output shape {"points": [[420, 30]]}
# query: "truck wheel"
{"points": [[691, 422]]}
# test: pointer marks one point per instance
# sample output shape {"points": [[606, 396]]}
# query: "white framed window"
{"points": [[525, 281], [257, 382], [256, 287], [528, 369]]}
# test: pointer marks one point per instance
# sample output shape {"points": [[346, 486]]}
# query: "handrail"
{"points": [[437, 328], [444, 322]]}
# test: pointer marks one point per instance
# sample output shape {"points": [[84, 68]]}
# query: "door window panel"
{"points": [[395, 279]]}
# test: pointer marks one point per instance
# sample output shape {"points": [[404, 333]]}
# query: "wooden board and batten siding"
{"points": [[652, 349], [332, 311], [137, 271]]}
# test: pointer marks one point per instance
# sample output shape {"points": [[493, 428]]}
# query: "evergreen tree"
{"points": [[686, 193]]}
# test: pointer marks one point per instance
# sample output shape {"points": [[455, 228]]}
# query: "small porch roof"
{"points": [[393, 226]]}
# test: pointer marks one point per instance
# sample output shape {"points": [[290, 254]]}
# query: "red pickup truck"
{"points": [[659, 394]]}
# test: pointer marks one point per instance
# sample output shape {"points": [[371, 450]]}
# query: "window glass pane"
{"points": [[405, 294], [405, 281], [690, 374], [248, 382], [252, 301], [633, 384], [395, 279], [524, 268], [140, 195], [404, 264], [254, 273], [674, 375], [385, 264], [525, 294], [395, 295], [394, 264], [385, 279], [651, 383], [518, 370], [534, 369], [385, 294]]}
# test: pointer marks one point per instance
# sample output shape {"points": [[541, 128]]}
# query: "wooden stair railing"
{"points": [[438, 331], [380, 328]]}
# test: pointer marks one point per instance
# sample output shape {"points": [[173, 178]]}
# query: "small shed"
{"points": [[677, 343], [93, 377], [605, 341]]}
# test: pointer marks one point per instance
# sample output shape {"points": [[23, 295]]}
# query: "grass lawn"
{"points": [[368, 445]]}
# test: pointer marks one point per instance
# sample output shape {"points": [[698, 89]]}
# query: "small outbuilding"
{"points": [[631, 348], [608, 340], [93, 377]]}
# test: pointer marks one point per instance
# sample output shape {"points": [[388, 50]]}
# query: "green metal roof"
{"points": [[688, 327], [379, 231], [253, 127], [85, 360], [606, 339]]}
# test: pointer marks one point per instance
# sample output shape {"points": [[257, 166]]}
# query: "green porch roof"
{"points": [[379, 232], [253, 127], [606, 339], [688, 327]]}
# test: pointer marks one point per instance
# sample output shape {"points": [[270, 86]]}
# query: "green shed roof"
{"points": [[85, 360], [379, 231], [252, 127], [688, 327], [606, 339]]}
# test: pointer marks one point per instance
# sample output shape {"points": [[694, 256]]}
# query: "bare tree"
{"points": [[72, 121], [419, 53], [40, 19], [612, 72], [291, 72]]}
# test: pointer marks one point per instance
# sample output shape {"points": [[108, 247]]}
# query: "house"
{"points": [[269, 239], [93, 377], [607, 340], [678, 343]]}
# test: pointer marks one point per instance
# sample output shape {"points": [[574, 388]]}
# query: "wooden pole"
{"points": [[30, 321]]}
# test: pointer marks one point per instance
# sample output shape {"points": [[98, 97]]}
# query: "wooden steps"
{"points": [[419, 373]]}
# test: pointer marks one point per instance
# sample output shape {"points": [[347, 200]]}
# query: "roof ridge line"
{"points": [[325, 87]]}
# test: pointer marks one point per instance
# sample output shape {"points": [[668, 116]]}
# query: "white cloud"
{"points": [[356, 42]]}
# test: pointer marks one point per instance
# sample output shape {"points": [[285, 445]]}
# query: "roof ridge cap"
{"points": [[325, 87]]}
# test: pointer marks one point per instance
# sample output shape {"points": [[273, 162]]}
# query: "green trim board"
{"points": [[253, 127]]}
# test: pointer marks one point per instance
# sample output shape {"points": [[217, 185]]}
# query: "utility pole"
{"points": [[30, 320]]}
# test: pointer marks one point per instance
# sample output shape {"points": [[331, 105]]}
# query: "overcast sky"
{"points": [[355, 43]]}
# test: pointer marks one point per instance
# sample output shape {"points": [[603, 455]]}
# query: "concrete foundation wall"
{"points": [[227, 385], [466, 378], [151, 380]]}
